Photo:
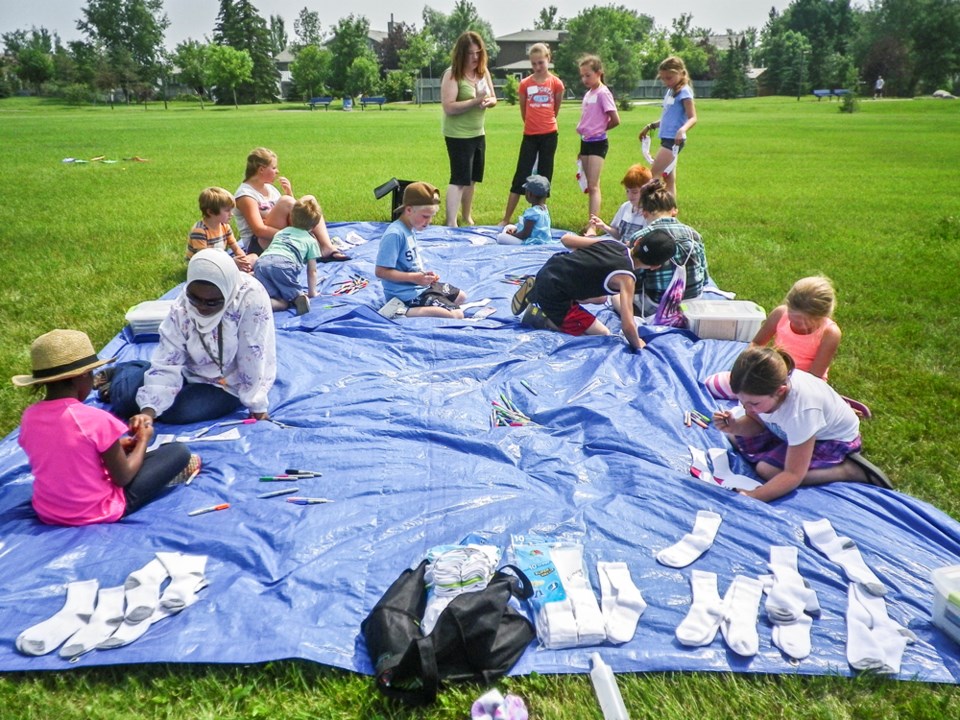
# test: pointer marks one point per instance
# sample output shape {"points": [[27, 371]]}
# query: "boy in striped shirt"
{"points": [[214, 230]]}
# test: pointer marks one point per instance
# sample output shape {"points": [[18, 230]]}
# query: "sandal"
{"points": [[875, 476], [335, 256], [521, 297], [862, 411], [188, 473]]}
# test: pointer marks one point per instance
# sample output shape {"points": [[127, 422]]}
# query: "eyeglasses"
{"points": [[203, 302]]}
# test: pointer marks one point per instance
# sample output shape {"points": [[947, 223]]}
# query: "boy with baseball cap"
{"points": [[400, 267]]}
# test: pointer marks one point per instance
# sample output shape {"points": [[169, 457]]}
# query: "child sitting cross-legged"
{"points": [[533, 227], [400, 267], [293, 247], [214, 231], [86, 468]]}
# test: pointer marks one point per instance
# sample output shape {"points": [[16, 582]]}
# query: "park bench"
{"points": [[378, 100], [821, 94], [840, 92], [324, 101]]}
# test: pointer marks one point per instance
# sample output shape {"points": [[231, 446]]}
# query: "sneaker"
{"points": [[302, 304], [521, 297], [392, 308], [187, 475]]}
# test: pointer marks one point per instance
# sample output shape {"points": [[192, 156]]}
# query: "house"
{"points": [[514, 48]]}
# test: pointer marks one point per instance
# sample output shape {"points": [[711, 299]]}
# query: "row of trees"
{"points": [[914, 44]]}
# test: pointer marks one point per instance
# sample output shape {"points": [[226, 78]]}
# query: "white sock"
{"points": [[620, 601], [591, 629], [47, 636], [793, 638], [789, 597], [863, 650], [126, 633], [186, 576], [889, 635], [693, 544], [722, 472], [700, 467], [703, 619], [143, 590], [844, 552], [739, 626], [105, 620]]}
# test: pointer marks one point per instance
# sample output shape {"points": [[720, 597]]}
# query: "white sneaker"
{"points": [[393, 308]]}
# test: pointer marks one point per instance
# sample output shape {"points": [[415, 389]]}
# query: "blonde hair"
{"points": [[306, 213], [676, 64], [813, 296], [214, 200], [592, 62], [540, 49], [258, 158], [637, 176], [461, 53]]}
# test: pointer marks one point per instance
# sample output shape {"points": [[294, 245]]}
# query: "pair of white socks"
{"points": [[695, 543], [735, 615], [874, 641], [94, 617], [845, 553], [577, 620], [790, 603], [621, 602]]}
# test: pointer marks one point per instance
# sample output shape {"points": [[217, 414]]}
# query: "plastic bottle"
{"points": [[605, 686]]}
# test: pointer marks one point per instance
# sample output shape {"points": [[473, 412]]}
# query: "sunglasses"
{"points": [[203, 302]]}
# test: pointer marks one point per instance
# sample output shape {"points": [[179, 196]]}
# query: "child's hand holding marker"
{"points": [[722, 420]]}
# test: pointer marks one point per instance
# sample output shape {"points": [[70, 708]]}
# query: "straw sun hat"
{"points": [[58, 355]]}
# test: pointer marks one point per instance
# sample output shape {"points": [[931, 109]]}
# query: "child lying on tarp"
{"points": [[797, 430]]}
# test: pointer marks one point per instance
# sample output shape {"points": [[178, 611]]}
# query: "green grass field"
{"points": [[779, 189]]}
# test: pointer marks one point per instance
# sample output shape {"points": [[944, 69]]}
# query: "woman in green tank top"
{"points": [[466, 91]]}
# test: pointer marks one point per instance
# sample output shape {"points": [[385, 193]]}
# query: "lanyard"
{"points": [[219, 358]]}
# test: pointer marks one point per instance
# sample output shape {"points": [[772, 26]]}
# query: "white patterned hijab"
{"points": [[215, 267]]}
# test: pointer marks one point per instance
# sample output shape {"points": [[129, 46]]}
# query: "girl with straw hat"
{"points": [[86, 468]]}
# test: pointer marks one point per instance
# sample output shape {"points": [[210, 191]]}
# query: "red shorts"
{"points": [[577, 320]]}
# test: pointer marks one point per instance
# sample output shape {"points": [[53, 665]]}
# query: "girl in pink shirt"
{"points": [[598, 115], [86, 468]]}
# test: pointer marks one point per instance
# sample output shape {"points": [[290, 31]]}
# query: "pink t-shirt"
{"points": [[64, 440], [593, 116], [802, 348]]}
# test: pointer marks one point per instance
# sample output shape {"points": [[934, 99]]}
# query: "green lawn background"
{"points": [[779, 189]]}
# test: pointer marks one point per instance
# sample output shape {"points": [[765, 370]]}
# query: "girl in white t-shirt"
{"points": [[797, 430]]}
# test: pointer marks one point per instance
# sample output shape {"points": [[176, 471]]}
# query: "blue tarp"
{"points": [[396, 414]]}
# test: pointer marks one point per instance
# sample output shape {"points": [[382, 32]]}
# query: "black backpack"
{"points": [[478, 636]]}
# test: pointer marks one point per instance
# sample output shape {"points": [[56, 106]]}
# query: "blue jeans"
{"points": [[159, 467], [196, 402]]}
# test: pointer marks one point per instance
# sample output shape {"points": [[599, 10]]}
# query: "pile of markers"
{"points": [[290, 475], [693, 417], [506, 414], [356, 283], [514, 279]]}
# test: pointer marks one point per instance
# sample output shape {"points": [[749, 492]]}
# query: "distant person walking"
{"points": [[878, 87], [541, 95], [466, 91]]}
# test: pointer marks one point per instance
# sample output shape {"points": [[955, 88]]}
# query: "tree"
{"points": [[363, 77], [549, 20], [228, 68], [785, 55], [416, 55], [278, 35], [34, 67], [130, 33], [310, 70], [615, 34], [308, 29], [349, 43], [732, 81], [191, 57], [689, 43], [240, 26], [447, 28], [398, 36]]}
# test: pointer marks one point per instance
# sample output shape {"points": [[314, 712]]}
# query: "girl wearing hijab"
{"points": [[217, 352]]}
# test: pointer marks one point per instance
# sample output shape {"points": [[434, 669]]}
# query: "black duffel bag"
{"points": [[478, 636]]}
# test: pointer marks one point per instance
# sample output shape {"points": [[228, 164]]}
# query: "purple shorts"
{"points": [[767, 447]]}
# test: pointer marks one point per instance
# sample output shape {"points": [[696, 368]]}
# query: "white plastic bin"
{"points": [[723, 319], [144, 319], [946, 600]]}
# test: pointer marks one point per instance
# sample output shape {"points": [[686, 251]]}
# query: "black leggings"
{"points": [[535, 149], [160, 466]]}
